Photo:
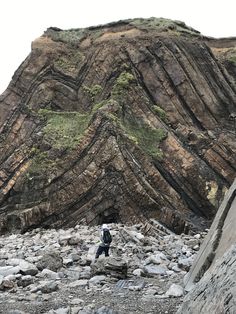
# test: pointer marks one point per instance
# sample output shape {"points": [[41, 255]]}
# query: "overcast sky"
{"points": [[22, 21]]}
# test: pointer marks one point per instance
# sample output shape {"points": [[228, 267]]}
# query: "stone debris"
{"points": [[55, 271]]}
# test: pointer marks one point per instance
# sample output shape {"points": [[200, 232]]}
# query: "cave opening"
{"points": [[13, 224], [109, 216]]}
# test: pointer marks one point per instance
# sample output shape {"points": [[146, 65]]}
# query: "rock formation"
{"points": [[215, 265], [118, 123]]}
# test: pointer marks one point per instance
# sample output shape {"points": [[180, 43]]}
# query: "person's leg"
{"points": [[106, 250], [99, 251]]}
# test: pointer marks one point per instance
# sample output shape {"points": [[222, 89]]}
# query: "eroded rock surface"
{"points": [[123, 122]]}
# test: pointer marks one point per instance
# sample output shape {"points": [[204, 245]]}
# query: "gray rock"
{"points": [[105, 310], [7, 284], [185, 263], [49, 286], [175, 291], [74, 257], [25, 281], [152, 270], [115, 267], [47, 273], [52, 261], [28, 268], [97, 279], [16, 312], [76, 301], [138, 272], [62, 311], [79, 283], [75, 309], [9, 270], [134, 285], [75, 241], [151, 291]]}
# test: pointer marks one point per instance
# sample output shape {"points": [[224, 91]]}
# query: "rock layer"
{"points": [[216, 291], [219, 240], [117, 123], [211, 279]]}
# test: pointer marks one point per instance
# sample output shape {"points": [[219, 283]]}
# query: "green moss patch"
{"points": [[232, 59], [69, 62], [146, 137], [64, 129], [71, 36], [160, 112], [93, 91], [121, 85], [41, 162], [163, 25], [74, 36]]}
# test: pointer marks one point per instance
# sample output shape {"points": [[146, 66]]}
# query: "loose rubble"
{"points": [[54, 271]]}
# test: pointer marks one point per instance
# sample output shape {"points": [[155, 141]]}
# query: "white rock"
{"points": [[97, 279], [62, 311], [155, 270], [151, 291], [79, 283], [76, 301], [9, 270], [175, 291], [47, 273], [138, 272], [170, 272], [91, 253]]}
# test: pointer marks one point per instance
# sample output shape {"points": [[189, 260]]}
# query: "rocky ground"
{"points": [[53, 271]]}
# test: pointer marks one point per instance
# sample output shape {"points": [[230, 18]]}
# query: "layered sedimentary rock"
{"points": [[117, 123], [212, 277]]}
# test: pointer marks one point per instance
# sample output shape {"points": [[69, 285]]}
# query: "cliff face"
{"points": [[214, 267], [122, 122]]}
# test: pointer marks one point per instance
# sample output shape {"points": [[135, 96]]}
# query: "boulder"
{"points": [[52, 261], [114, 267]]}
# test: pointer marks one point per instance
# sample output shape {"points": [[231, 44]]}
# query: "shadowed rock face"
{"points": [[117, 123], [211, 279]]}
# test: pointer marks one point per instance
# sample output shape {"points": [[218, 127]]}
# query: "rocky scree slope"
{"points": [[53, 271], [121, 122]]}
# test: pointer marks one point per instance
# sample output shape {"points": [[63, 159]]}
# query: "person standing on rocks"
{"points": [[105, 242]]}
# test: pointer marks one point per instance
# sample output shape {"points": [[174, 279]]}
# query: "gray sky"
{"points": [[22, 21]]}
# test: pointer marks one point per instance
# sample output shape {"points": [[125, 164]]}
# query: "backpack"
{"points": [[107, 237]]}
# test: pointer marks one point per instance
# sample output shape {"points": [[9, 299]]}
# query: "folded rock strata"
{"points": [[117, 123]]}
